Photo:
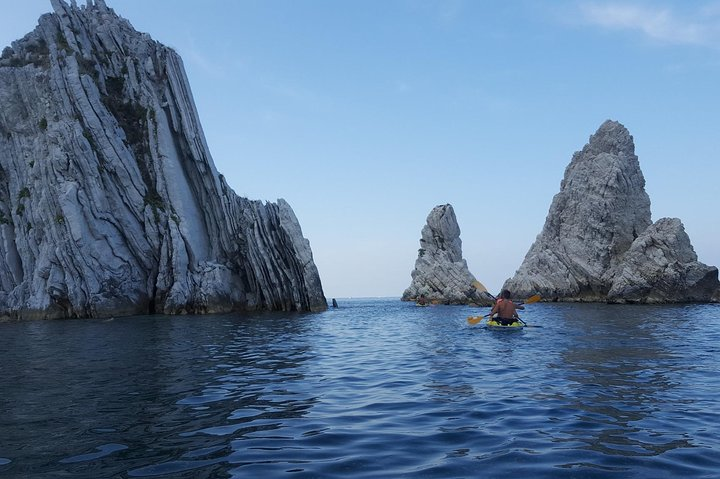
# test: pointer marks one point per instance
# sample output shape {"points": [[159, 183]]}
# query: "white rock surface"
{"points": [[110, 203], [441, 274]]}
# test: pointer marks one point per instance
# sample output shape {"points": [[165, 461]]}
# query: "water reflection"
{"points": [[248, 384], [147, 390], [448, 362], [370, 389], [620, 372]]}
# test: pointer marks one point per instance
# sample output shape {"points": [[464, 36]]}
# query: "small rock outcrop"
{"points": [[110, 203], [441, 274], [598, 242], [661, 267]]}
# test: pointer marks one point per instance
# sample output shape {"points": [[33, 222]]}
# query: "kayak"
{"points": [[515, 326]]}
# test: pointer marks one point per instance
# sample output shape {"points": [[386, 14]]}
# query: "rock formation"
{"points": [[441, 274], [598, 243], [662, 267], [110, 203]]}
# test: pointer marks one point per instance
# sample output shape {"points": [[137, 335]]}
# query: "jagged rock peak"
{"points": [[612, 138], [441, 234], [588, 248], [601, 208], [60, 6], [110, 202], [441, 274]]}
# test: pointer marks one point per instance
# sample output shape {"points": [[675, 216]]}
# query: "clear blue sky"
{"points": [[365, 115]]}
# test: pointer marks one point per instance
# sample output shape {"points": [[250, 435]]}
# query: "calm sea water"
{"points": [[375, 389]]}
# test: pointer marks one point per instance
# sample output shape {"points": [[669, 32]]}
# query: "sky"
{"points": [[364, 115]]}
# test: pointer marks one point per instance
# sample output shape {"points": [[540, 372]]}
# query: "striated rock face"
{"points": [[661, 266], [110, 203], [597, 243], [600, 210], [441, 273]]}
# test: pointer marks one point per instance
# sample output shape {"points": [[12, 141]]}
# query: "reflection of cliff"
{"points": [[153, 388], [619, 375], [449, 378], [250, 386]]}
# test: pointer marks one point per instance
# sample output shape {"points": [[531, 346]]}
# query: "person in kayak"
{"points": [[506, 310]]}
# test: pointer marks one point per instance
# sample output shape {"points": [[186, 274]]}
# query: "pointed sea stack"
{"points": [[441, 274], [598, 243], [110, 203]]}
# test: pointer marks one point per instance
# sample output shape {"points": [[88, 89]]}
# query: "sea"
{"points": [[376, 388]]}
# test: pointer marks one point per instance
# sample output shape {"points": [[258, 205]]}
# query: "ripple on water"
{"points": [[100, 451], [172, 467], [371, 390]]}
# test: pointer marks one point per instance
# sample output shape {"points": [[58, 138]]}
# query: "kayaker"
{"points": [[505, 309]]}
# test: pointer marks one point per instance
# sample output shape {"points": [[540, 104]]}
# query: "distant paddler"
{"points": [[505, 309], [422, 301], [473, 320]]}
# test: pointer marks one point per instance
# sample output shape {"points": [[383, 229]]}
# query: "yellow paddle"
{"points": [[532, 299], [473, 320]]}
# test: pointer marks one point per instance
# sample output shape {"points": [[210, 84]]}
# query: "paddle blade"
{"points": [[473, 320], [533, 299], [479, 286]]}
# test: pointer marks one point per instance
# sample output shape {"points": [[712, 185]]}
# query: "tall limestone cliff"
{"points": [[110, 203], [598, 243], [441, 274]]}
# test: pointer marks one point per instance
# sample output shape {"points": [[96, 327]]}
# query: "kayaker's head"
{"points": [[505, 294]]}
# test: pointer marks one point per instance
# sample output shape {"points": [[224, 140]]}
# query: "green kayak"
{"points": [[517, 325]]}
